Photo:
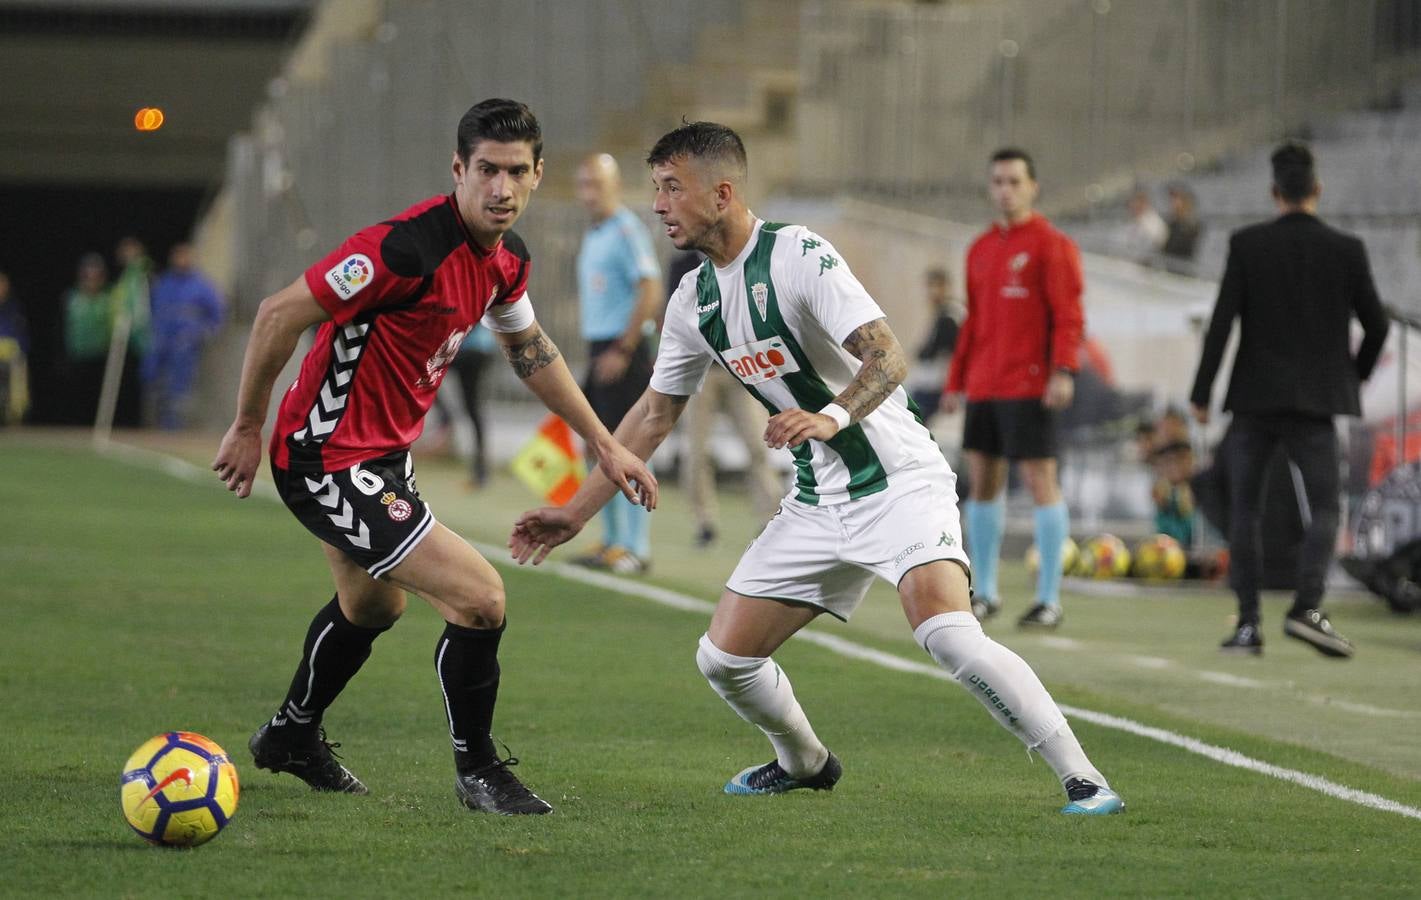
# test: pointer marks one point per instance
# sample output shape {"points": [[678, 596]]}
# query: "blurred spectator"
{"points": [[720, 394], [619, 288], [1144, 236], [131, 294], [1172, 457], [475, 353], [132, 311], [1182, 242], [929, 370], [186, 313], [88, 327], [14, 356], [1144, 440]]}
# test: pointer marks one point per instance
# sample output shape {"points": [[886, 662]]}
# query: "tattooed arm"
{"points": [[535, 358], [885, 365], [884, 368], [528, 350]]}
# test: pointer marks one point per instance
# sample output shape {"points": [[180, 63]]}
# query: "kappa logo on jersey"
{"points": [[760, 293], [348, 277], [760, 361], [709, 307]]}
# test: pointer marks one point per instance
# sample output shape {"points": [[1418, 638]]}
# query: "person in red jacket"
{"points": [[1015, 361]]}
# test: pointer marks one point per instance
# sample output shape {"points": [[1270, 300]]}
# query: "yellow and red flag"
{"points": [[549, 463]]}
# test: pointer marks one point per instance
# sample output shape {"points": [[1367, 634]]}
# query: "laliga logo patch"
{"points": [[760, 361], [351, 275]]}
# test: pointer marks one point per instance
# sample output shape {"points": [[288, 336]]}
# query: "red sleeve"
{"points": [[1064, 284], [353, 277], [957, 366], [517, 275]]}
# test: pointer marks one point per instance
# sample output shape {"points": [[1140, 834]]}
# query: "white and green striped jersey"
{"points": [[776, 318]]}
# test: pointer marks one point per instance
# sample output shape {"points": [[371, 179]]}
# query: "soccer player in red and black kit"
{"points": [[1015, 359], [393, 303]]}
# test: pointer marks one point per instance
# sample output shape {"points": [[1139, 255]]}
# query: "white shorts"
{"points": [[827, 556]]}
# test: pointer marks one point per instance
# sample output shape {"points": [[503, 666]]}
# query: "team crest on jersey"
{"points": [[350, 276], [435, 366], [760, 293], [1015, 266], [760, 361]]}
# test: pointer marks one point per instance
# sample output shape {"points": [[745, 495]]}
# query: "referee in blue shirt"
{"points": [[619, 286]]}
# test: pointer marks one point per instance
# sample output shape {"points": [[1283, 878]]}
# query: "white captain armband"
{"points": [[509, 318]]}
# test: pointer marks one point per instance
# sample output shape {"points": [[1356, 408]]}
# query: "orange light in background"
{"points": [[149, 118]]}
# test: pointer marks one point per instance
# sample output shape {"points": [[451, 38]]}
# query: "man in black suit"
{"points": [[1294, 283]]}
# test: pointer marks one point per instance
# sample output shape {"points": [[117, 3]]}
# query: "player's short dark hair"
{"points": [[701, 140], [505, 121], [1294, 172], [1007, 154]]}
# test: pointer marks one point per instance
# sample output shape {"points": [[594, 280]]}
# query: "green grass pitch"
{"points": [[135, 602]]}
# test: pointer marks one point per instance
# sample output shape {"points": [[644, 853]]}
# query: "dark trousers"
{"points": [[612, 400], [471, 366], [1311, 443]]}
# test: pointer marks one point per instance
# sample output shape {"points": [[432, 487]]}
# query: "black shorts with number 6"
{"points": [[371, 512], [1014, 429]]}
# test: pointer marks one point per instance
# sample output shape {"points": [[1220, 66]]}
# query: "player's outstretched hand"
{"points": [[237, 459], [538, 531], [795, 426], [626, 470]]}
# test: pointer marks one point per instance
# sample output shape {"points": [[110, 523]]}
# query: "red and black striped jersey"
{"points": [[402, 296]]}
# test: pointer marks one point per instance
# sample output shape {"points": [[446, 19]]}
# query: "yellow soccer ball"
{"points": [[1159, 557], [1105, 556], [1070, 557], [179, 789]]}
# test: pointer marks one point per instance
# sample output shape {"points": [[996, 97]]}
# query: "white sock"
{"points": [[1063, 753], [760, 693], [1006, 685]]}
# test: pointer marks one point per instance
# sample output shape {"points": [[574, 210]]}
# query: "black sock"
{"points": [[466, 661], [335, 650]]}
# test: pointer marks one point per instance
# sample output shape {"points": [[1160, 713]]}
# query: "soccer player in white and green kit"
{"points": [[779, 309]]}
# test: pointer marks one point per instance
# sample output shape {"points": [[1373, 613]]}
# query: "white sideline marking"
{"points": [[1229, 680], [1151, 662], [186, 471], [1056, 642]]}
